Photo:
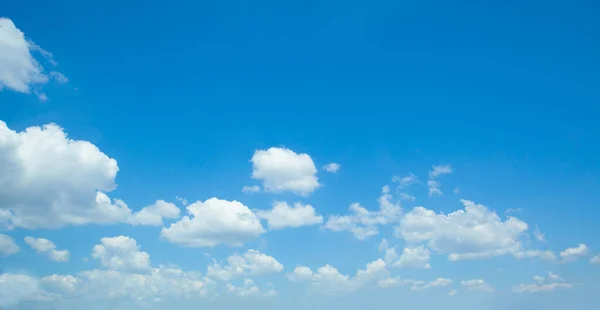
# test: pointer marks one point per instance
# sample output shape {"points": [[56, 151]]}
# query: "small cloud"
{"points": [[59, 77], [539, 235], [251, 189], [432, 183], [572, 254], [332, 167], [407, 197], [595, 260], [405, 181], [456, 190], [452, 292]]}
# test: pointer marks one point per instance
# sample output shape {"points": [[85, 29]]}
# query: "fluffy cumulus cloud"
{"points": [[282, 169], [332, 167], [416, 258], [249, 289], [48, 249], [8, 246], [328, 280], [15, 288], [251, 263], [475, 232], [363, 223], [121, 253], [154, 214], [572, 254], [283, 215], [212, 222], [477, 285], [19, 69], [543, 284], [50, 181]]}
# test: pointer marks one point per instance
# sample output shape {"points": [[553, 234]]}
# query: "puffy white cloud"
{"points": [[475, 232], [417, 258], [545, 255], [363, 223], [332, 167], [15, 288], [8, 246], [572, 254], [48, 249], [477, 285], [121, 253], [51, 181], [253, 263], [595, 260], [251, 189], [282, 169], [328, 280], [214, 222], [551, 283], [249, 289], [283, 215], [388, 282], [60, 284], [432, 183], [154, 214], [18, 69]]}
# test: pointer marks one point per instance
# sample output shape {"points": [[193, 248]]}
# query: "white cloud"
{"points": [[253, 263], [539, 235], [572, 254], [251, 189], [8, 246], [363, 223], [432, 183], [383, 245], [477, 285], [15, 288], [545, 255], [551, 283], [328, 280], [332, 167], [59, 77], [452, 292], [51, 181], [214, 222], [19, 71], [283, 215], [121, 253], [407, 197], [475, 232], [595, 260], [415, 285], [249, 289], [417, 258], [282, 169], [405, 181], [48, 249], [154, 214]]}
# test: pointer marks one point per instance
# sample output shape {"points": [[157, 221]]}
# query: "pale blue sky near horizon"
{"points": [[183, 94]]}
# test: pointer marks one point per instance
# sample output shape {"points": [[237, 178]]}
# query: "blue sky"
{"points": [[314, 155]]}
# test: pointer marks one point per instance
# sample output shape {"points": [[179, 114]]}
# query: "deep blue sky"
{"points": [[182, 93]]}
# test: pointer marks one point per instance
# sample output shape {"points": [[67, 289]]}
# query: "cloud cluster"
{"points": [[48, 249], [212, 222], [363, 223], [433, 183], [251, 263], [475, 232], [283, 215], [328, 280], [543, 284]]}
